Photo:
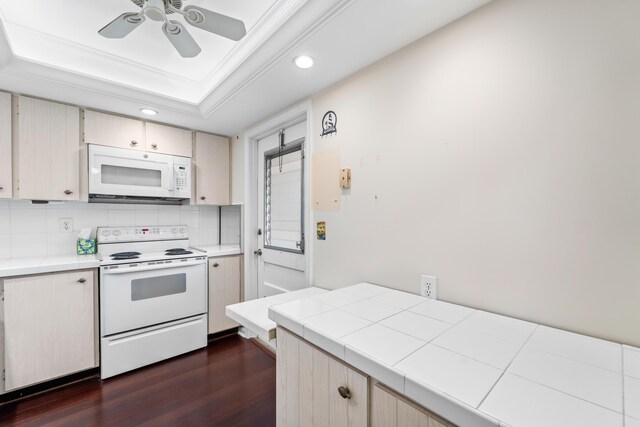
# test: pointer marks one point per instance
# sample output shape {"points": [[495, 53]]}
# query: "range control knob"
{"points": [[116, 233], [174, 230], [182, 230], [105, 233]]}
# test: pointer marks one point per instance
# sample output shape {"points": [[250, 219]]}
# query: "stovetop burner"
{"points": [[122, 258], [178, 252], [125, 254]]}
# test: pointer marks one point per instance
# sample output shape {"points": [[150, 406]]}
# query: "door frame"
{"points": [[293, 115]]}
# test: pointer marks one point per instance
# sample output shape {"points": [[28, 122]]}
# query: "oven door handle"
{"points": [[151, 267]]}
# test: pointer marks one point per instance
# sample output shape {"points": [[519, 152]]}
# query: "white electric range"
{"points": [[153, 296]]}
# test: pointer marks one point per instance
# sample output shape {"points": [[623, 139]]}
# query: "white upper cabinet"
{"points": [[5, 146], [46, 150], [169, 140], [113, 131], [211, 161]]}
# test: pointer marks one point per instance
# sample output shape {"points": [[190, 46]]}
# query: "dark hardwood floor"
{"points": [[230, 383]]}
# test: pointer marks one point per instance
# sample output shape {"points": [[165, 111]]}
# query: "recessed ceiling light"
{"points": [[303, 61], [148, 111]]}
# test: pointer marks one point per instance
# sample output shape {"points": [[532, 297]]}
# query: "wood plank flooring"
{"points": [[230, 383]]}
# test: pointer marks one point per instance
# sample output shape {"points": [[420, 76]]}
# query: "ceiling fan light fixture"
{"points": [[154, 10], [303, 62], [148, 111]]}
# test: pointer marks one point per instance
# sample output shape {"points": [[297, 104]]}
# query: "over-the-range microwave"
{"points": [[119, 175]]}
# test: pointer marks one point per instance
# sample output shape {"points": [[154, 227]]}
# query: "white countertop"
{"points": [[47, 264], [472, 367], [219, 250], [254, 314]]}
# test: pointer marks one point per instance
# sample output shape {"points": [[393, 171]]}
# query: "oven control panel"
{"points": [[142, 233]]}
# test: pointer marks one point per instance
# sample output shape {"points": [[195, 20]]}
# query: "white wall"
{"points": [[504, 151], [33, 230]]}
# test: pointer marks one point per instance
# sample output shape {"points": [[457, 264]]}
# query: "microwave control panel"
{"points": [[182, 178]]}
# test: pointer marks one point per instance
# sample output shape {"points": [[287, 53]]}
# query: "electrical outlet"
{"points": [[65, 225], [429, 286]]}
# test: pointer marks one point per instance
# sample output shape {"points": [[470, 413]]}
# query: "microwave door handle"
{"points": [[150, 268]]}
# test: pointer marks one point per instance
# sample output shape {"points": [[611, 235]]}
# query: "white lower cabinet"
{"points": [[49, 326], [391, 410], [315, 389], [225, 282]]}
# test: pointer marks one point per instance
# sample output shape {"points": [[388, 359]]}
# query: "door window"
{"points": [[284, 198]]}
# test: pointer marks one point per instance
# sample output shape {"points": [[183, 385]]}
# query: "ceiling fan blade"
{"points": [[122, 25], [216, 23], [181, 39]]}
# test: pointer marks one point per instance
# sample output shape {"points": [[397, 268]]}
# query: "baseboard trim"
{"points": [[47, 386]]}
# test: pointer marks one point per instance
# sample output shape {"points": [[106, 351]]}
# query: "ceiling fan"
{"points": [[157, 10]]}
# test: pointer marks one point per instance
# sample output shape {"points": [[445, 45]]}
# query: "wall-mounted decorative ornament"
{"points": [[329, 123], [321, 229]]}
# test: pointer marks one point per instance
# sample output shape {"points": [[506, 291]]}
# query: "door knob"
{"points": [[67, 192], [216, 264], [203, 198], [258, 252], [82, 280], [344, 392]]}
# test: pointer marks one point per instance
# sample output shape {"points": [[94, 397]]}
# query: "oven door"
{"points": [[134, 297], [122, 172]]}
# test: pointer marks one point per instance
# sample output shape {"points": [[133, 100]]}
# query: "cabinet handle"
{"points": [[67, 192], [216, 264], [154, 146], [82, 280], [134, 142], [345, 393], [203, 198], [1, 188]]}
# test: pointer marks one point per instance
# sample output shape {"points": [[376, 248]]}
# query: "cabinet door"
{"points": [[49, 326], [211, 160], [5, 146], [113, 131], [47, 150], [308, 383], [391, 410], [169, 140], [224, 290]]}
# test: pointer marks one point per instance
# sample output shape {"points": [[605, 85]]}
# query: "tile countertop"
{"points": [[48, 264], [472, 367], [219, 250]]}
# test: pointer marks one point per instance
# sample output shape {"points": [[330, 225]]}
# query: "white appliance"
{"points": [[153, 296], [131, 176]]}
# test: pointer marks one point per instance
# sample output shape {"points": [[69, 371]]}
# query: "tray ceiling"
{"points": [[52, 49]]}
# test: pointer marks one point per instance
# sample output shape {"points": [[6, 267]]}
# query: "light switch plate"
{"points": [[65, 225]]}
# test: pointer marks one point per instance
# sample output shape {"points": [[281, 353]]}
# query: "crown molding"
{"points": [[308, 21]]}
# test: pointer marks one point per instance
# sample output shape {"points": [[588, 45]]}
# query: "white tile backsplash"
{"points": [[25, 220], [33, 230]]}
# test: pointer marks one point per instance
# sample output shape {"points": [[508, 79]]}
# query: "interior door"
{"points": [[281, 206]]}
